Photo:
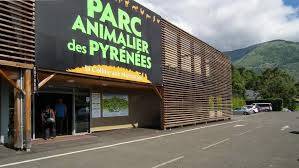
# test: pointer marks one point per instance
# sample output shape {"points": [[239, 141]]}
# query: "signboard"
{"points": [[95, 105], [115, 105], [35, 81], [108, 38]]}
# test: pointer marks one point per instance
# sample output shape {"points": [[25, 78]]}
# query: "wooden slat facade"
{"points": [[17, 56], [196, 80], [17, 34]]}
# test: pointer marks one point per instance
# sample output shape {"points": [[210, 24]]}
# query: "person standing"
{"points": [[48, 122], [61, 112]]}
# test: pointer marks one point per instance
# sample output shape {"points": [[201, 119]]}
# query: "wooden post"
{"points": [[28, 109]]}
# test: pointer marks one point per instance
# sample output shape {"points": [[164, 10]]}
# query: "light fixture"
{"points": [[71, 81]]}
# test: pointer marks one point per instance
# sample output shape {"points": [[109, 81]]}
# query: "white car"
{"points": [[252, 108], [263, 107]]}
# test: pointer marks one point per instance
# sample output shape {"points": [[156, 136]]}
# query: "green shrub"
{"points": [[292, 105], [238, 102]]}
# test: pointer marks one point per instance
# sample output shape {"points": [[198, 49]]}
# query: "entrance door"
{"points": [[82, 111], [42, 100]]}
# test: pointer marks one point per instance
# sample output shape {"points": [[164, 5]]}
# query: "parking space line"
{"points": [[248, 131], [217, 143], [245, 132], [239, 126], [170, 161]]}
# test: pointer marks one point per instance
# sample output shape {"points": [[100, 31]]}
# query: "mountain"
{"points": [[277, 53]]}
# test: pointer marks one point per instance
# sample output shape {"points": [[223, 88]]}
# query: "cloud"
{"points": [[231, 24]]}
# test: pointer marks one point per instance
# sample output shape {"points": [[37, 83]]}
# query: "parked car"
{"points": [[252, 108], [244, 111], [263, 107]]}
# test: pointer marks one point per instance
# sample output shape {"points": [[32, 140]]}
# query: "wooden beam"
{"points": [[157, 92], [16, 64], [43, 82], [28, 128], [3, 74]]}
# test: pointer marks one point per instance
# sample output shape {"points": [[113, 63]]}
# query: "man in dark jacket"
{"points": [[61, 112]]}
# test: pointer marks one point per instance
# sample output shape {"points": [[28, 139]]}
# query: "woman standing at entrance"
{"points": [[48, 120]]}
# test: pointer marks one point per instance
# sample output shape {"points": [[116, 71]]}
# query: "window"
{"points": [[186, 54], [186, 63], [171, 50], [208, 70], [198, 50], [197, 64]]}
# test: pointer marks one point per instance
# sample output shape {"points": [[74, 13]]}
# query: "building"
{"points": [[112, 64]]}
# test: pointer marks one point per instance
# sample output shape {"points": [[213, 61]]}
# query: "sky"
{"points": [[293, 3], [232, 24]]}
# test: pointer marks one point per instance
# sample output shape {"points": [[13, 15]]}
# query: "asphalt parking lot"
{"points": [[259, 141]]}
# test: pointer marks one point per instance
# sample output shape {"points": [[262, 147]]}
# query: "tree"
{"points": [[275, 83], [250, 78], [238, 83], [244, 79]]}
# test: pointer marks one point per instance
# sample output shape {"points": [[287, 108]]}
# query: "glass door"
{"points": [[82, 111]]}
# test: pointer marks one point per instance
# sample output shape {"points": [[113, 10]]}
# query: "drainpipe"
{"points": [[22, 109], [74, 112], [18, 114]]}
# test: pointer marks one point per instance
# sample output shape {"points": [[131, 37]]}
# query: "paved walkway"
{"points": [[66, 142]]}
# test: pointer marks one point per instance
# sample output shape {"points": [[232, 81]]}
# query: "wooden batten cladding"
{"points": [[17, 34], [17, 54], [196, 80]]}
